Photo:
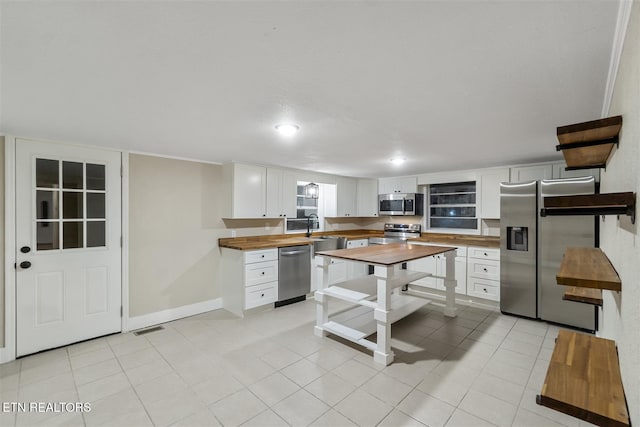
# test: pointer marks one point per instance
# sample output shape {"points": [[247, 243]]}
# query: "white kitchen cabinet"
{"points": [[404, 184], [367, 196], [436, 266], [337, 272], [559, 171], [281, 193], [490, 192], [346, 197], [249, 279], [245, 191], [483, 273], [357, 269], [530, 173]]}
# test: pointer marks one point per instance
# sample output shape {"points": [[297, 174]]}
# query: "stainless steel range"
{"points": [[397, 233]]}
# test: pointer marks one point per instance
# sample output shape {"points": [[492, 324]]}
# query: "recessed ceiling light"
{"points": [[287, 129], [398, 160]]}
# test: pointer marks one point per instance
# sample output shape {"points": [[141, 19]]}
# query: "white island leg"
{"points": [[383, 353], [322, 307], [450, 284]]}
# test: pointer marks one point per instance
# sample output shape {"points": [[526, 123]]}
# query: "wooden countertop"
{"points": [[391, 254], [280, 240], [588, 268]]}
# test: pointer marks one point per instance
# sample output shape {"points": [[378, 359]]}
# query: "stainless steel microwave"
{"points": [[401, 204]]}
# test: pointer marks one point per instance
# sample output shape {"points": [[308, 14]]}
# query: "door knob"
{"points": [[25, 249], [25, 264]]}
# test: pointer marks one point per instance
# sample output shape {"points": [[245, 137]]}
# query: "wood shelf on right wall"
{"points": [[591, 204], [588, 145], [588, 268]]}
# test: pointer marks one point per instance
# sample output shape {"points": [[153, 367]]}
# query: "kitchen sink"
{"points": [[328, 243]]}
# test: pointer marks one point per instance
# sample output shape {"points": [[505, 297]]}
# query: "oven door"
{"points": [[391, 204]]}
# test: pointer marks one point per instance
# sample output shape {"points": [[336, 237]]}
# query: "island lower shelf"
{"points": [[359, 322]]}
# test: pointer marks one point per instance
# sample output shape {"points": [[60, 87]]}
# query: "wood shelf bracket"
{"points": [[592, 204]]}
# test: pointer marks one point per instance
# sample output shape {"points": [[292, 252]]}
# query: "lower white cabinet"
{"points": [[357, 269], [483, 273], [249, 279], [437, 266], [337, 272], [260, 277]]}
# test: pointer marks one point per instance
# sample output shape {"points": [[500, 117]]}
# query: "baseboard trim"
{"points": [[168, 315]]}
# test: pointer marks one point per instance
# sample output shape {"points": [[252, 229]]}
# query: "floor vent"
{"points": [[148, 331]]}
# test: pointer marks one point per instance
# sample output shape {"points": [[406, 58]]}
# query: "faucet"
{"points": [[309, 223]]}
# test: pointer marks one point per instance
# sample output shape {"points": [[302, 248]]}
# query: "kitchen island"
{"points": [[378, 298]]}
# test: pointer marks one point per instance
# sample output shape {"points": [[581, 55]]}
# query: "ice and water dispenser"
{"points": [[518, 238]]}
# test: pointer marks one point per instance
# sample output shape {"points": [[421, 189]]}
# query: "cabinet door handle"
{"points": [[262, 256], [485, 290], [262, 273], [485, 269], [262, 295], [485, 254]]}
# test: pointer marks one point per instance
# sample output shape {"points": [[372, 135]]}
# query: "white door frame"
{"points": [[8, 352]]}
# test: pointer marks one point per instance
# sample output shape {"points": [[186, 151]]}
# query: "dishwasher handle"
{"points": [[285, 253]]}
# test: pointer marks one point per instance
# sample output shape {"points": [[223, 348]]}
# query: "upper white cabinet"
{"points": [[405, 184], [346, 189], [245, 188], [559, 171], [531, 173], [490, 191], [281, 193], [367, 192]]}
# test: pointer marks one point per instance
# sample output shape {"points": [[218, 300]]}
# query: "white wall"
{"points": [[619, 239], [174, 225], [2, 241]]}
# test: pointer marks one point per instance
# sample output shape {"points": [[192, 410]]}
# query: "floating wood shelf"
{"points": [[592, 204], [583, 295], [588, 268], [584, 380], [588, 145]]}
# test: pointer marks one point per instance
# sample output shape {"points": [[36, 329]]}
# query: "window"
{"points": [[304, 207], [70, 200], [453, 205], [324, 205]]}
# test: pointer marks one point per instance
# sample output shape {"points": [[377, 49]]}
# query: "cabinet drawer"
{"points": [[258, 295], [484, 253], [460, 250], [260, 272], [487, 289], [357, 243], [261, 255], [484, 269]]}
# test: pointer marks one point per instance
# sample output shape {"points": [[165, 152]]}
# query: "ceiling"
{"points": [[447, 84]]}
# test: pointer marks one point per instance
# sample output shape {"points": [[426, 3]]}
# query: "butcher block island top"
{"points": [[250, 243], [391, 254]]}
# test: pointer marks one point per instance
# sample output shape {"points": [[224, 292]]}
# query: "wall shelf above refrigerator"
{"points": [[592, 204], [588, 145], [588, 268]]}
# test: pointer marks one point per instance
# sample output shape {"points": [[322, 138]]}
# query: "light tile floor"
{"points": [[268, 369]]}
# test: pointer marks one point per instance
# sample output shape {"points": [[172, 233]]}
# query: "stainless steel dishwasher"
{"points": [[294, 274]]}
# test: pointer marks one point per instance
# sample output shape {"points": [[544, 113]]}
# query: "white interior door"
{"points": [[68, 228]]}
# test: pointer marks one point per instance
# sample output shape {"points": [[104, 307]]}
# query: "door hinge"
{"points": [[121, 172], [120, 241], [120, 311], [15, 265]]}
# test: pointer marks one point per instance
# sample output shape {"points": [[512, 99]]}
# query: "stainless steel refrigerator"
{"points": [[531, 250]]}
